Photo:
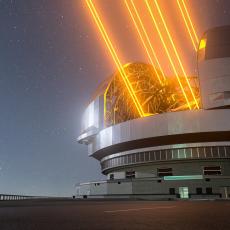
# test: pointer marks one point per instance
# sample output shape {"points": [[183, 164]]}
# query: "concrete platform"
{"points": [[108, 214]]}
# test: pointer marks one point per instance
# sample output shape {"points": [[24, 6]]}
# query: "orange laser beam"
{"points": [[143, 41], [114, 55], [147, 37], [190, 21], [175, 51], [166, 50], [192, 33]]}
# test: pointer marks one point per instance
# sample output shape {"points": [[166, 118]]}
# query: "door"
{"points": [[183, 191]]}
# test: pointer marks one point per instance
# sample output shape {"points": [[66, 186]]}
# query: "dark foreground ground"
{"points": [[155, 215]]}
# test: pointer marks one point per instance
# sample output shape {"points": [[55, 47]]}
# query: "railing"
{"points": [[4, 197]]}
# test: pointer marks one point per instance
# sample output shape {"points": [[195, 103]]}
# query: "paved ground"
{"points": [[72, 214]]}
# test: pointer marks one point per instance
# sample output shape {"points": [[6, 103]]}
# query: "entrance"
{"points": [[183, 191]]}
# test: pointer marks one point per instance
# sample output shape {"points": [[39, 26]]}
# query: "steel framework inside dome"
{"points": [[154, 97]]}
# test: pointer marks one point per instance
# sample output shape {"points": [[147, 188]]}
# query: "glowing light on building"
{"points": [[202, 44], [186, 177]]}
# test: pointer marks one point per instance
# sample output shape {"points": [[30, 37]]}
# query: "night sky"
{"points": [[51, 61]]}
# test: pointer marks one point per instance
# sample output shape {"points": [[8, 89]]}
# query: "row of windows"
{"points": [[162, 172], [167, 155], [199, 191], [212, 170]]}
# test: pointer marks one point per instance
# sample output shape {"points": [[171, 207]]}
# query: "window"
{"points": [[202, 152], [130, 174], [227, 149], [169, 154], [181, 153], [212, 170], [172, 191], [111, 176], [152, 156], [142, 157], [174, 153], [130, 159], [163, 155], [161, 172], [198, 191], [195, 153], [133, 158], [209, 191], [208, 152], [146, 156], [126, 160], [222, 151], [215, 152], [138, 157], [157, 154]]}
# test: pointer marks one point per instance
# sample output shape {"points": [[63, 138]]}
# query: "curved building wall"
{"points": [[124, 160], [163, 129]]}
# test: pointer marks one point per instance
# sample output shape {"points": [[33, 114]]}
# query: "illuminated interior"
{"points": [[202, 43], [155, 97]]}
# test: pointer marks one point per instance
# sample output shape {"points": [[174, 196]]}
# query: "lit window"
{"points": [[203, 43], [161, 172], [130, 174], [212, 170]]}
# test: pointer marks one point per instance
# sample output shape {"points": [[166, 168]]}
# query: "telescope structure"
{"points": [[176, 150]]}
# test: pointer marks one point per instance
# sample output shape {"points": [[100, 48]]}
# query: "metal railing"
{"points": [[6, 197]]}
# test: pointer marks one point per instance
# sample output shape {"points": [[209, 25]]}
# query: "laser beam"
{"points": [[114, 55], [188, 23], [167, 51], [175, 51], [143, 40]]}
